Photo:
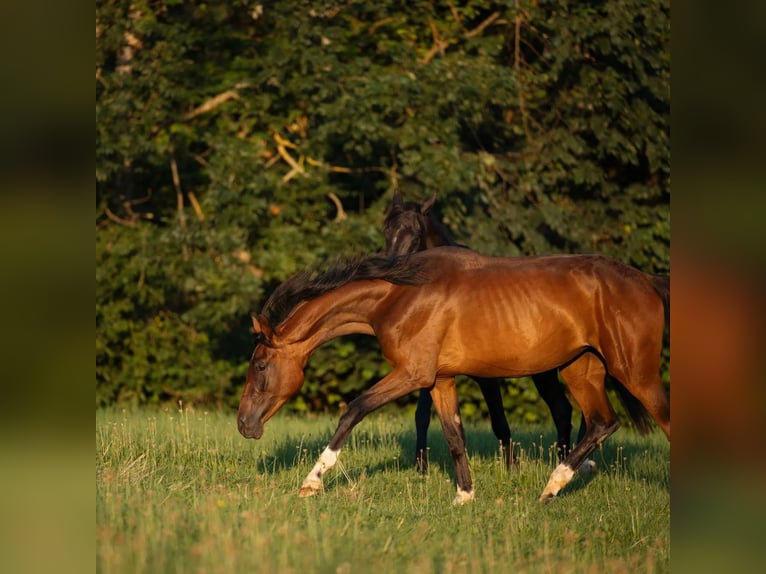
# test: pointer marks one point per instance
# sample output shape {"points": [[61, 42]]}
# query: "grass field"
{"points": [[182, 491]]}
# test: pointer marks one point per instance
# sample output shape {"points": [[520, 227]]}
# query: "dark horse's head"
{"points": [[406, 225]]}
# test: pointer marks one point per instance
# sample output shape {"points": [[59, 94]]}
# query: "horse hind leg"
{"points": [[585, 378], [445, 400], [633, 356], [644, 383]]}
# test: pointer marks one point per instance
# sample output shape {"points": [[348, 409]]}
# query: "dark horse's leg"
{"points": [[422, 420], [581, 432], [490, 388], [553, 394], [444, 396]]}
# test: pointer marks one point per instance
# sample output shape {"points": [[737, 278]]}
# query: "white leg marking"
{"points": [[562, 474], [462, 497], [313, 481], [560, 477]]}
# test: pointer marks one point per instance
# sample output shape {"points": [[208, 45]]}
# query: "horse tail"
{"points": [[661, 285], [638, 414]]}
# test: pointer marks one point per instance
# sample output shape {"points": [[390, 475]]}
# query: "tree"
{"points": [[237, 143]]}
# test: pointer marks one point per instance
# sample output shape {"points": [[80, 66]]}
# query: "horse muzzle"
{"points": [[250, 427]]}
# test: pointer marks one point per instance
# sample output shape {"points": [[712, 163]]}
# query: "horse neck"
{"points": [[343, 311], [436, 235]]}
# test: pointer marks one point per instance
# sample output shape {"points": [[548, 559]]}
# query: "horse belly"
{"points": [[507, 348], [472, 360]]}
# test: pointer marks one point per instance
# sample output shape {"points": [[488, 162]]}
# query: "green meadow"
{"points": [[182, 491]]}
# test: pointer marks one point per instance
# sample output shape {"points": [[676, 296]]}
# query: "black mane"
{"points": [[307, 285]]}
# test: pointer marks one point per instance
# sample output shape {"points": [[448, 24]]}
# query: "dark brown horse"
{"points": [[587, 315], [410, 227]]}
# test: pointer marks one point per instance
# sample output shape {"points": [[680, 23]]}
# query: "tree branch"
{"points": [[375, 25], [126, 222], [337, 169], [179, 192], [212, 103], [480, 28], [216, 101], [196, 206], [517, 66], [455, 14], [341, 215], [438, 45], [296, 166], [132, 215]]}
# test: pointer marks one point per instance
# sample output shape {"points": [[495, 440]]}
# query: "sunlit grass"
{"points": [[182, 491]]}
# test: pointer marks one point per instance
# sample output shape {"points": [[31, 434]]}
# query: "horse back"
{"points": [[517, 316]]}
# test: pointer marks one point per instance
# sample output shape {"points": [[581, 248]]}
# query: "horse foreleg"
{"points": [[312, 484], [585, 378], [490, 388], [422, 420], [444, 395], [396, 384]]}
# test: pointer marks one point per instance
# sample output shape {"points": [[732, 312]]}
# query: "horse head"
{"points": [[406, 224], [273, 377]]}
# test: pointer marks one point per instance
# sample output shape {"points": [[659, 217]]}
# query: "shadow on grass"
{"points": [[624, 452], [619, 454]]}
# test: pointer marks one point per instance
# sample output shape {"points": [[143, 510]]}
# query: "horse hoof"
{"points": [[309, 490], [547, 497], [462, 497]]}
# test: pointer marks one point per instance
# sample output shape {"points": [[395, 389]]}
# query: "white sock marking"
{"points": [[462, 497], [560, 477], [326, 461]]}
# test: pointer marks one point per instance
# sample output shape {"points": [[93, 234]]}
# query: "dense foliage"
{"points": [[238, 142]]}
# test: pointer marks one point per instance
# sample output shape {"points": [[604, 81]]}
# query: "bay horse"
{"points": [[410, 227], [587, 315]]}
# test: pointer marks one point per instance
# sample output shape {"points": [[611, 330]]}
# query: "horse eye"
{"points": [[260, 367]]}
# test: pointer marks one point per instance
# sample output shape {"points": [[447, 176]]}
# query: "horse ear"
{"points": [[261, 327], [398, 201], [428, 204]]}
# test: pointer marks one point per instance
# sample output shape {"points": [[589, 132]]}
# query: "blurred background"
{"points": [[240, 142]]}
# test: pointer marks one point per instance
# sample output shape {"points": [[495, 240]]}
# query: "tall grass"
{"points": [[182, 491]]}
